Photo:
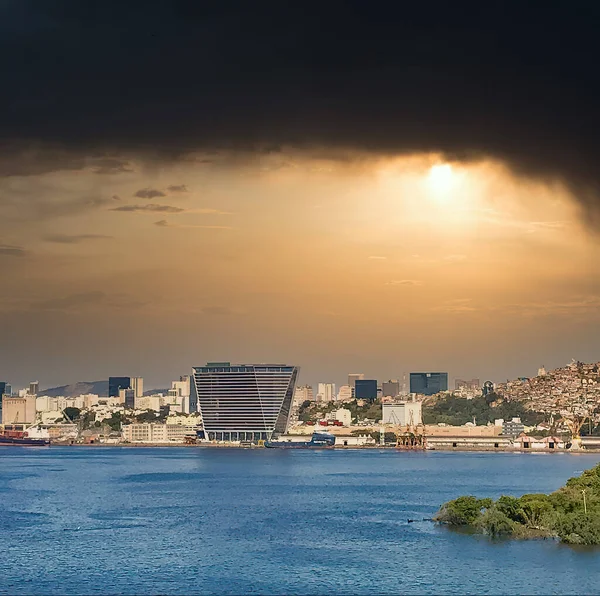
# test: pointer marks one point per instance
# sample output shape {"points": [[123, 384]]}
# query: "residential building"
{"points": [[244, 402], [115, 384], [182, 389], [302, 394], [345, 393], [473, 384], [365, 389], [149, 402], [428, 383]]}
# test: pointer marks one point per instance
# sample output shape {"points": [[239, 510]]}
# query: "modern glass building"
{"points": [[428, 383], [117, 383], [243, 402], [365, 389]]}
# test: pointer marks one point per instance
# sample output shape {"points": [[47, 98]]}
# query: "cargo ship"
{"points": [[319, 440], [22, 437]]}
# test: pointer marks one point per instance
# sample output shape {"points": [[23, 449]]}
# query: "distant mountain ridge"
{"points": [[80, 388]]}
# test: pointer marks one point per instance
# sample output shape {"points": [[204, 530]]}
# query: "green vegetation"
{"points": [[459, 410], [114, 422], [571, 514], [314, 411]]}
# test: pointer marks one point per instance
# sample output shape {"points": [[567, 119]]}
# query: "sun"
{"points": [[440, 178]]}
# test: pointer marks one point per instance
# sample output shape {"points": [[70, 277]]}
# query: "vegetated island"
{"points": [[570, 514]]}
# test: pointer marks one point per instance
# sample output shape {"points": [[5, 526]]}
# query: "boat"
{"points": [[319, 440], [22, 437]]}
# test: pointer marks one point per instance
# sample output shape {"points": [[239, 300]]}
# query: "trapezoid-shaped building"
{"points": [[243, 402]]}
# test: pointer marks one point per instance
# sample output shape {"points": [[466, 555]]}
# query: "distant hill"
{"points": [[98, 387], [82, 387]]}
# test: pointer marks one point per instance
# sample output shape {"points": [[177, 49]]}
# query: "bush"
{"points": [[495, 523], [578, 528], [463, 511]]}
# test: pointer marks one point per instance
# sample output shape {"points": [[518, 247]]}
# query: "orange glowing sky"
{"points": [[335, 262]]}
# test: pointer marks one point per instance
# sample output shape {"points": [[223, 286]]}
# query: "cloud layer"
{"points": [[509, 81]]}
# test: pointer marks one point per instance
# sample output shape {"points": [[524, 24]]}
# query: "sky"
{"points": [[342, 188]]}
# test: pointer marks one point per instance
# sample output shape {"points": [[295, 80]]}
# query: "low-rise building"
{"points": [[402, 413], [18, 410], [344, 416], [512, 428], [157, 433]]}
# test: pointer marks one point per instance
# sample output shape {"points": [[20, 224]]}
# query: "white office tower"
{"points": [[182, 390], [137, 384], [326, 392]]}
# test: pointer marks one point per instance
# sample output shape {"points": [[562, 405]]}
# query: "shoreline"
{"points": [[461, 449]]}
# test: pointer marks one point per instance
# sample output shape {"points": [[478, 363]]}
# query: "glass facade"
{"points": [[365, 389], [117, 383], [428, 383], [246, 402]]}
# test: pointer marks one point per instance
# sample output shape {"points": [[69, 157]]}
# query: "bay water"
{"points": [[126, 520]]}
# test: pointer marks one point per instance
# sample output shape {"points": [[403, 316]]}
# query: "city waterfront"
{"points": [[175, 521]]}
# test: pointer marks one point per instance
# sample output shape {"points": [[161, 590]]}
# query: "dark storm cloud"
{"points": [[151, 208], [149, 193], [12, 251], [514, 81], [73, 239]]}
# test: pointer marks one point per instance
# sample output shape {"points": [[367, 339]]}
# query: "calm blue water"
{"points": [[189, 521]]}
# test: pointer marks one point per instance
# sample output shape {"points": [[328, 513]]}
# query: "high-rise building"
{"points": [[365, 389], [34, 388], [3, 386], [137, 384], [326, 392], [390, 388], [353, 377], [428, 383], [128, 397], [344, 393], [302, 394], [182, 390], [115, 384], [243, 402]]}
